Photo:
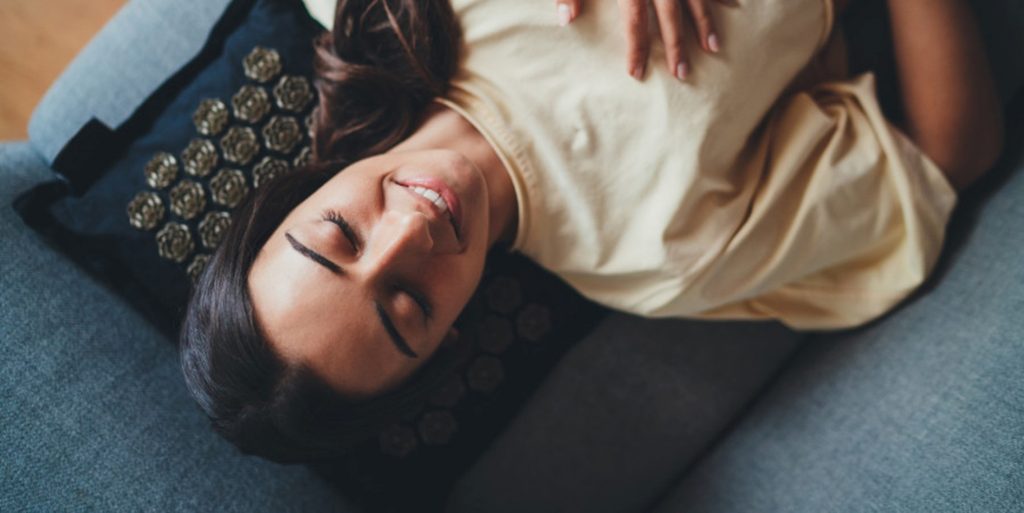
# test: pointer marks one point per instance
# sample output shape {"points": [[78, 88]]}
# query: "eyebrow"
{"points": [[382, 314]]}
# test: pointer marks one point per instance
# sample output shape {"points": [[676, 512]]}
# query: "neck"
{"points": [[444, 128]]}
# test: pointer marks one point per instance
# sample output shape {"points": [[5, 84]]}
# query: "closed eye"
{"points": [[421, 301], [333, 216]]}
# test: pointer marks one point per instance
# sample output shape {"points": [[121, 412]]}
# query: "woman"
{"points": [[745, 179]]}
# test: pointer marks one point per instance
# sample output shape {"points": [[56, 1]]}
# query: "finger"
{"points": [[634, 15], [670, 21], [567, 10], [705, 26]]}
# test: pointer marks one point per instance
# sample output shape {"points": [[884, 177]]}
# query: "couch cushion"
{"points": [[921, 412], [95, 415], [624, 413]]}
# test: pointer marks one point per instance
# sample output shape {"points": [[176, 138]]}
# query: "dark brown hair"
{"points": [[375, 74], [377, 70]]}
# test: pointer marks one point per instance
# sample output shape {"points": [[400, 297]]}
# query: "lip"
{"points": [[449, 196]]}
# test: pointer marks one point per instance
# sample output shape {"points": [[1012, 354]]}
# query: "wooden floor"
{"points": [[38, 38]]}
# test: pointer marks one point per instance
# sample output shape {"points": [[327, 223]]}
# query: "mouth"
{"points": [[443, 201]]}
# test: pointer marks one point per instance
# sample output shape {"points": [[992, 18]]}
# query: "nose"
{"points": [[401, 239]]}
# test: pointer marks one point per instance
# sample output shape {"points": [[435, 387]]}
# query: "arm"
{"points": [[952, 109]]}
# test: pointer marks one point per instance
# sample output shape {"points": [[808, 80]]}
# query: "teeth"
{"points": [[433, 196]]}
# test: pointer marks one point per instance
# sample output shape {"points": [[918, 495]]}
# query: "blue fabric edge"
{"points": [[147, 41]]}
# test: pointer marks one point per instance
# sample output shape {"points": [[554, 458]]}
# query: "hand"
{"points": [[670, 14]]}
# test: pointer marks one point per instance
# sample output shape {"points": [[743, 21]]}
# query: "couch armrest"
{"points": [[144, 45]]}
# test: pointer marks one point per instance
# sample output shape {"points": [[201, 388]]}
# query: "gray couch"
{"points": [[922, 411]]}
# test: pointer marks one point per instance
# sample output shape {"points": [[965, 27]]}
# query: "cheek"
{"points": [[353, 181], [349, 189], [456, 282], [355, 199]]}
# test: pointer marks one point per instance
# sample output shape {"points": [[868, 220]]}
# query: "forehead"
{"points": [[324, 321]]}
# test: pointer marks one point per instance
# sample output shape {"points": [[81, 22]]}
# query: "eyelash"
{"points": [[428, 310], [332, 216]]}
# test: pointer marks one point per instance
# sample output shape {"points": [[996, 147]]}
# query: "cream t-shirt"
{"points": [[752, 191]]}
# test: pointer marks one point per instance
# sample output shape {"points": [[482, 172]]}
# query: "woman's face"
{"points": [[363, 280]]}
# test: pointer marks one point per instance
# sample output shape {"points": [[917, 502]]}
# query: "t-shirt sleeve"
{"points": [[322, 11], [848, 219]]}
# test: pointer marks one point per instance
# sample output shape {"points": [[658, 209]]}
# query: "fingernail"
{"points": [[564, 15], [681, 70], [713, 43], [637, 72]]}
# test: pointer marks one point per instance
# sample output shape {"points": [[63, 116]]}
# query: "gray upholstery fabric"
{"points": [[151, 39], [923, 412], [623, 415], [94, 412]]}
